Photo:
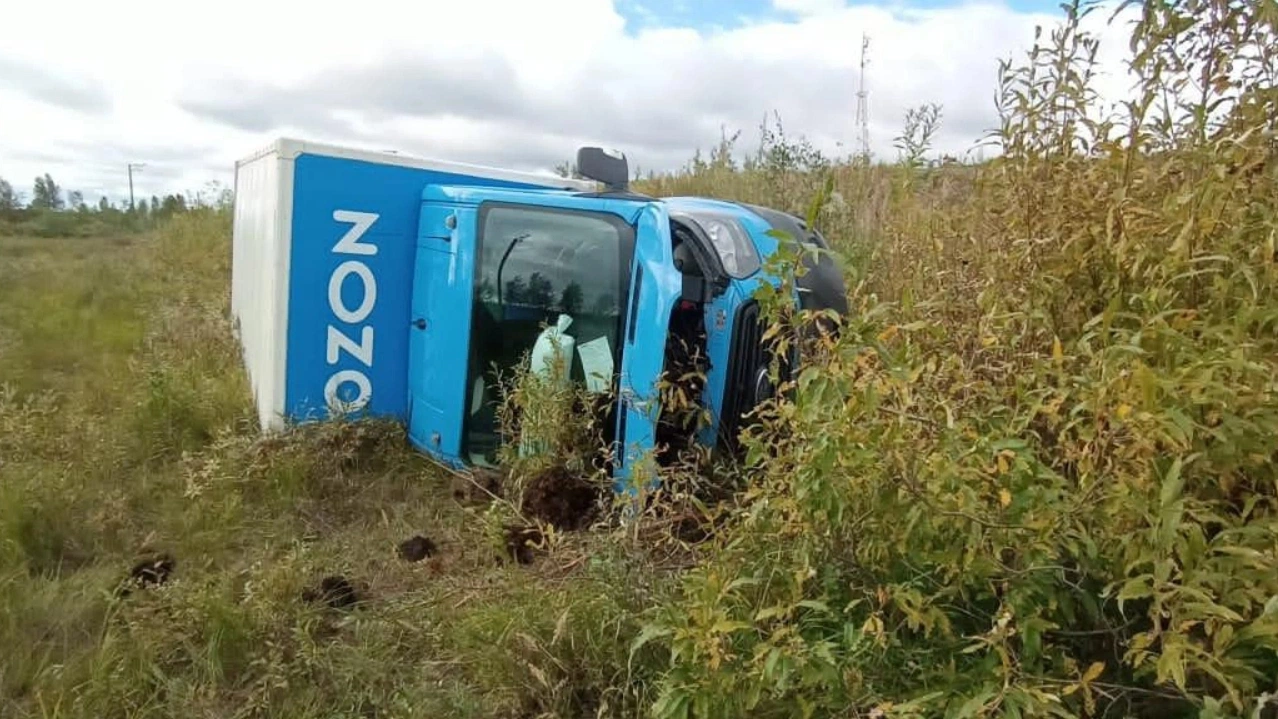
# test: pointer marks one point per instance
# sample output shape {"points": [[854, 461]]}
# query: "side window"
{"points": [[538, 266]]}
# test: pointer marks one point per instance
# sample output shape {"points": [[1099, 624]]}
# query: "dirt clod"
{"points": [[522, 541], [479, 487], [336, 591], [416, 548], [557, 497], [692, 530], [151, 569]]}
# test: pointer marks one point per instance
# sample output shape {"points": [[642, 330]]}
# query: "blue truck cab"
{"points": [[371, 284]]}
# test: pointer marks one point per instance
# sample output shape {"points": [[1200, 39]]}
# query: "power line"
{"points": [[133, 166]]}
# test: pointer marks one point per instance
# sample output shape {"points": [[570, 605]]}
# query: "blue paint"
{"points": [[323, 185], [411, 236], [724, 307], [443, 298], [718, 345], [644, 350]]}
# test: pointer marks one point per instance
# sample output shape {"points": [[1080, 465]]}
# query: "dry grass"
{"points": [[1034, 477], [125, 429]]}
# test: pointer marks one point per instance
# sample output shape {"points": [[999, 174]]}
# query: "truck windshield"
{"points": [[541, 270]]}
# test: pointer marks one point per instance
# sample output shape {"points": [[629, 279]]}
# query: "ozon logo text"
{"points": [[342, 339]]}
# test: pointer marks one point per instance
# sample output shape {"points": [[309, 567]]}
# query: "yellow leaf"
{"points": [[1004, 496], [1093, 671], [1058, 353], [1124, 411], [988, 340], [1002, 464]]}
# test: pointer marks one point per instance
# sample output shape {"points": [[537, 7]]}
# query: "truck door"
{"points": [[655, 286], [493, 269]]}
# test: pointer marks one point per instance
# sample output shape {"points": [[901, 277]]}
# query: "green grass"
{"points": [[1034, 476], [125, 427]]}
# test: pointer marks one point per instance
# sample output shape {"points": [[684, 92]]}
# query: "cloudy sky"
{"points": [[93, 86]]}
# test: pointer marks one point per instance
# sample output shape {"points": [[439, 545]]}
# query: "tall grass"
{"points": [[1036, 474], [126, 430]]}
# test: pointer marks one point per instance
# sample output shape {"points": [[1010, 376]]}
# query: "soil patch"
{"points": [[152, 569], [522, 542], [416, 548], [558, 498], [479, 487], [336, 591]]}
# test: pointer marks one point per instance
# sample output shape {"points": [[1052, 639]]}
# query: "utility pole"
{"points": [[133, 166], [862, 109]]}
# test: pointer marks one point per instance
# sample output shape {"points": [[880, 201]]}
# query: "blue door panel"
{"points": [[655, 286], [719, 317], [442, 297], [439, 332]]}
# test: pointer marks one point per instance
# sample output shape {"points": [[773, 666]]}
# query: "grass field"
{"points": [[1035, 476], [126, 431]]}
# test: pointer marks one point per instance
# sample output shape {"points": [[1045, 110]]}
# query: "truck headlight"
{"points": [[733, 245]]}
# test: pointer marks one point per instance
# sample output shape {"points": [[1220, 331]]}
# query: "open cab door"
{"points": [[497, 271]]}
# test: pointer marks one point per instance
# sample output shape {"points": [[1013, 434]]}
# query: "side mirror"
{"points": [[608, 167]]}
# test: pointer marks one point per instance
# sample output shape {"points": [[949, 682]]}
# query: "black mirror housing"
{"points": [[601, 165]]}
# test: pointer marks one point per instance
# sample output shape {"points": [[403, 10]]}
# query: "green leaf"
{"points": [[649, 633], [766, 613], [672, 704], [770, 664], [1171, 664], [1135, 588], [974, 705], [815, 605], [1173, 482], [728, 626]]}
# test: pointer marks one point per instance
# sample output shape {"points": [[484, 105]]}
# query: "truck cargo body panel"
{"points": [[324, 245]]}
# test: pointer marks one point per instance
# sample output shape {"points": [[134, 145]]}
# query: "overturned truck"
{"points": [[378, 284]]}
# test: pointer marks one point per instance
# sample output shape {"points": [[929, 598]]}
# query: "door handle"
{"points": [[419, 323]]}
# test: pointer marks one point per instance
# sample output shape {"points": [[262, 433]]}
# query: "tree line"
{"points": [[48, 195], [49, 210]]}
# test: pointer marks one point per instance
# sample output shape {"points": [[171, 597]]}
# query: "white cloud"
{"points": [[491, 81]]}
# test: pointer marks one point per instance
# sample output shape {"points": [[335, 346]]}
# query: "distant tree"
{"points": [[516, 291], [173, 204], [155, 205], [571, 299], [46, 195], [541, 292], [9, 199], [75, 200], [104, 205]]}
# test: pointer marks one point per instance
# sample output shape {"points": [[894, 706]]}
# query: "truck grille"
{"points": [[746, 359]]}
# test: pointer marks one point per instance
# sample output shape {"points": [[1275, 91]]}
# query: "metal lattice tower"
{"points": [[862, 105]]}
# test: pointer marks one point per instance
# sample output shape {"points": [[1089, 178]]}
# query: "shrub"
{"points": [[1035, 475]]}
